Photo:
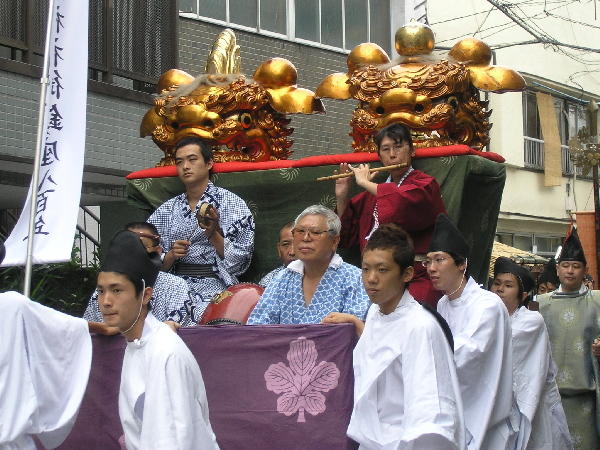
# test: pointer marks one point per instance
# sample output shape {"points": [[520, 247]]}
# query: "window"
{"points": [[339, 24], [505, 238], [571, 115], [542, 245], [546, 245], [131, 43], [531, 118], [273, 16], [523, 242]]}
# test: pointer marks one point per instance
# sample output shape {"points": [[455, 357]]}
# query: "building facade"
{"points": [[533, 216], [132, 43]]}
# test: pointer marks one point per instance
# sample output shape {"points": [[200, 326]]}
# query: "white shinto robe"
{"points": [[543, 425], [483, 354], [406, 393], [162, 400], [45, 360]]}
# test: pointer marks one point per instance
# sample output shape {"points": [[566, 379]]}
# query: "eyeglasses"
{"points": [[436, 261], [313, 234]]}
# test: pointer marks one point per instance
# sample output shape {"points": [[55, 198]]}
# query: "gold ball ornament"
{"points": [[173, 78], [414, 39], [276, 73], [472, 51], [366, 53]]}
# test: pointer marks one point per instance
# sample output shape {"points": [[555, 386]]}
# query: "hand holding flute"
{"points": [[347, 171]]}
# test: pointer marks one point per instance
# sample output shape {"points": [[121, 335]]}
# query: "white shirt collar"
{"points": [[405, 300], [402, 178], [298, 266]]}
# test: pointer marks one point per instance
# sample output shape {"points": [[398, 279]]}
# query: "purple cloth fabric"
{"points": [[250, 373]]}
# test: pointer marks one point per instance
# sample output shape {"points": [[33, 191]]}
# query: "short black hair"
{"points": [[519, 284], [397, 133], [287, 225], [393, 237], [458, 260], [205, 149], [142, 226], [137, 284]]}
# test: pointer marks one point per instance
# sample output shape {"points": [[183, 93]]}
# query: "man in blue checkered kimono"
{"points": [[170, 298], [318, 282], [208, 254]]}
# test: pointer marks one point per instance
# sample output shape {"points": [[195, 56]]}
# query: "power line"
{"points": [[484, 19], [457, 18], [481, 31], [539, 34]]}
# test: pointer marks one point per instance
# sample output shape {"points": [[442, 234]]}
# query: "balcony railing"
{"points": [[534, 156], [534, 153]]}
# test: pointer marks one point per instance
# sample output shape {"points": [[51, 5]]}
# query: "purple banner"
{"points": [[268, 387]]}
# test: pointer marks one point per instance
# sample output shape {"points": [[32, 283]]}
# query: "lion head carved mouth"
{"points": [[437, 98]]}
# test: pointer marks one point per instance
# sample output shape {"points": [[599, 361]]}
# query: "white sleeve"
{"points": [[39, 346], [175, 408], [433, 411], [483, 356]]}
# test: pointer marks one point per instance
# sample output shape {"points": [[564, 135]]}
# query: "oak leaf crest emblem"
{"points": [[302, 383]]}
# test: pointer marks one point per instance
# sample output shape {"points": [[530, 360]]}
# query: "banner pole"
{"points": [[35, 177]]}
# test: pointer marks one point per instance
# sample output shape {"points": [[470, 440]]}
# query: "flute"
{"points": [[351, 174]]}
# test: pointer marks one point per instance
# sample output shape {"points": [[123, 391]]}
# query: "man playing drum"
{"points": [[210, 254]]}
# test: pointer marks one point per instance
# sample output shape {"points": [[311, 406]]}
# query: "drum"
{"points": [[204, 215], [232, 306]]}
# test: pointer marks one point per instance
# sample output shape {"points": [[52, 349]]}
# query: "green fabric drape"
{"points": [[471, 187]]}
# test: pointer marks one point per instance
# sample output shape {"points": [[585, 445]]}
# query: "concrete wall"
{"points": [[112, 126]]}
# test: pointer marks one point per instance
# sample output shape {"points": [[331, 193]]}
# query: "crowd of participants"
{"points": [[441, 362]]}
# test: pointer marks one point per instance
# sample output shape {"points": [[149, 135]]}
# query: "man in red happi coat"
{"points": [[409, 198]]}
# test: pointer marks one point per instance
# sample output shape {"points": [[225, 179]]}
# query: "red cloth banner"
{"points": [[320, 160]]}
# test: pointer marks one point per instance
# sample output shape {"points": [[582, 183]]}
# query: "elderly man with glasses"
{"points": [[318, 282]]}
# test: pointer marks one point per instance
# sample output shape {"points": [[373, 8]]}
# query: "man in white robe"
{"points": [[543, 424], [162, 399], [38, 346], [482, 341], [406, 393]]}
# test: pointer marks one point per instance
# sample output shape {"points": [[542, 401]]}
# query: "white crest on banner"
{"points": [[61, 139]]}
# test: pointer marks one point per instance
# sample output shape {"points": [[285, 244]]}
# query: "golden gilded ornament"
{"points": [[242, 119], [437, 98], [414, 39], [584, 151]]}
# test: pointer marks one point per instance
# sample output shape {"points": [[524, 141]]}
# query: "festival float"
{"points": [[246, 121]]}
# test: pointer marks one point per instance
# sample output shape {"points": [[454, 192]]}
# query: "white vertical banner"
{"points": [[62, 143]]}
